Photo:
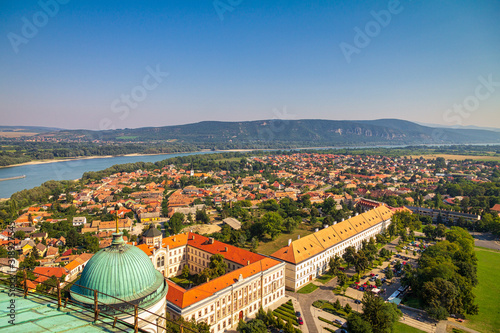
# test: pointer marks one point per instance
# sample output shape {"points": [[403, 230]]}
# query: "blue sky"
{"points": [[237, 60]]}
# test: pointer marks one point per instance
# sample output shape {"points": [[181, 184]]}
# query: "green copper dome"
{"points": [[122, 271]]}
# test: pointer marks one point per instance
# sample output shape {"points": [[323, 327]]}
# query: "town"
{"points": [[308, 236]]}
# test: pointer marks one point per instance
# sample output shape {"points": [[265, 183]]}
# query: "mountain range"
{"points": [[293, 133]]}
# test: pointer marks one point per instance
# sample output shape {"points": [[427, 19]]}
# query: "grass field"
{"points": [[403, 328], [269, 246], [487, 292], [460, 157], [307, 289]]}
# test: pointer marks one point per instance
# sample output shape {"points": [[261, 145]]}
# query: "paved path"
{"points": [[324, 291], [486, 240], [443, 324]]}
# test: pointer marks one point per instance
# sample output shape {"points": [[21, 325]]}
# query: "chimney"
{"points": [[356, 214], [316, 230], [289, 242], [349, 217], [210, 240], [248, 262], [225, 248], [298, 237], [342, 219], [174, 239]]}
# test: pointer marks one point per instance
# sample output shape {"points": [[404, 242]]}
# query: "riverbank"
{"points": [[35, 162]]}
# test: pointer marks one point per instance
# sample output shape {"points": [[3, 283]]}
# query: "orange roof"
{"points": [[146, 248], [72, 265], [230, 252], [175, 241], [183, 298]]}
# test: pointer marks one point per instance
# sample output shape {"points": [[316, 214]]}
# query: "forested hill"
{"points": [[297, 133]]}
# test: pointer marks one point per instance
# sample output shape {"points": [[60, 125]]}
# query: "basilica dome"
{"points": [[122, 271]]}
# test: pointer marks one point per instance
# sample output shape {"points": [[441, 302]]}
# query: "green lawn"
{"points": [[325, 278], [271, 246], [403, 328], [307, 289], [487, 292], [184, 283]]}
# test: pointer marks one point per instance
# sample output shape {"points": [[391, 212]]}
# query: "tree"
{"points": [[272, 224], [176, 223], [361, 263], [342, 278], [20, 234], [217, 265], [389, 274], [29, 262], [290, 224], [349, 256], [202, 216], [429, 231], [440, 230], [185, 272], [91, 243], [347, 308], [337, 304], [356, 324], [253, 326], [379, 314], [334, 264]]}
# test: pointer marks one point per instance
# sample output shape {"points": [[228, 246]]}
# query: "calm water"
{"points": [[40, 173]]}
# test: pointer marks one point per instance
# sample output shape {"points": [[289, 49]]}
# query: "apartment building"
{"points": [[447, 216], [306, 258], [251, 281]]}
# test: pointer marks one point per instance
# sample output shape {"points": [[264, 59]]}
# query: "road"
{"points": [[486, 240]]}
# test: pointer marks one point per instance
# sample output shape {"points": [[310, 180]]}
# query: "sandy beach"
{"points": [[78, 159]]}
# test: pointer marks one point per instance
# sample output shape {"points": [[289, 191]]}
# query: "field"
{"points": [[491, 157], [203, 228], [487, 292], [16, 134], [269, 246]]}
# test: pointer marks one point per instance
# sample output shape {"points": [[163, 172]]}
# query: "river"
{"points": [[37, 174]]}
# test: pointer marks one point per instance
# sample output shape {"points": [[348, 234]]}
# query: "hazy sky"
{"points": [[116, 64]]}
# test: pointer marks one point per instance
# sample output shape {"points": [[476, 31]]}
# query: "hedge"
{"points": [[329, 322], [286, 318]]}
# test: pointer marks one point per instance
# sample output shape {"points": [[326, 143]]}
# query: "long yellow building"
{"points": [[308, 257]]}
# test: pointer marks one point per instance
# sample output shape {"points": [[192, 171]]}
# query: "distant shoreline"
{"points": [[35, 162]]}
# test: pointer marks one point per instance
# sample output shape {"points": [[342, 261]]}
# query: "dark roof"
{"points": [[152, 232]]}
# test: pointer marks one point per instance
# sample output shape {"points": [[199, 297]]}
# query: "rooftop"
{"points": [[40, 314]]}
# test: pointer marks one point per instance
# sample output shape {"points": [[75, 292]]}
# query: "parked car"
{"points": [[298, 314], [338, 321], [301, 322], [357, 301]]}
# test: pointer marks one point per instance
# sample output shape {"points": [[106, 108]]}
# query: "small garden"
{"points": [[334, 308], [286, 312]]}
